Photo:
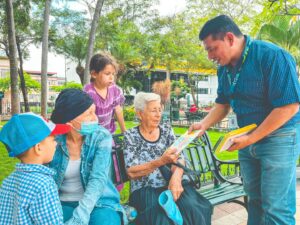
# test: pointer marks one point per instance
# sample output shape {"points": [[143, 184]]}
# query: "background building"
{"points": [[4, 66], [205, 83], [34, 97]]}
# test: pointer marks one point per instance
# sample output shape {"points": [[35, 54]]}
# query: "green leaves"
{"points": [[31, 84], [285, 32], [67, 85]]}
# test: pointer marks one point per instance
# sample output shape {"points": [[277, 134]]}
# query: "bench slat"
{"points": [[195, 160], [209, 158], [203, 159]]}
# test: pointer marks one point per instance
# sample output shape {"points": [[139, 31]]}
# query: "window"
{"points": [[4, 73], [203, 78], [203, 91]]}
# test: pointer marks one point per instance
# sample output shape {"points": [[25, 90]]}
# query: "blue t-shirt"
{"points": [[268, 79]]}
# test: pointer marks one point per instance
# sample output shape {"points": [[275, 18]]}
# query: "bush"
{"points": [[129, 113]]}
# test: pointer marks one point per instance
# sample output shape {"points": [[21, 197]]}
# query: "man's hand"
{"points": [[240, 143], [197, 126], [169, 156], [176, 188]]}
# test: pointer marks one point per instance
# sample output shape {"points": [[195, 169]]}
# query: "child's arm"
{"points": [[120, 117], [46, 207]]}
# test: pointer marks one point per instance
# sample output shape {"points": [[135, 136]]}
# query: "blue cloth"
{"points": [[167, 202], [268, 80], [29, 196], [99, 215], [268, 169], [194, 208], [99, 190]]}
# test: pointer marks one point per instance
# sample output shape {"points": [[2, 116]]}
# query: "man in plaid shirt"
{"points": [[29, 195]]}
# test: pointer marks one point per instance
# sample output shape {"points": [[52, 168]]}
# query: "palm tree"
{"points": [[74, 47], [285, 32], [12, 57], [44, 63], [92, 40]]}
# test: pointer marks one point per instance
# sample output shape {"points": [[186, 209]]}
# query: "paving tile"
{"points": [[231, 207], [228, 220], [234, 214], [242, 214], [243, 223], [218, 213]]}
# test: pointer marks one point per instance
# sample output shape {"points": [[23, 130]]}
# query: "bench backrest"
{"points": [[198, 155]]}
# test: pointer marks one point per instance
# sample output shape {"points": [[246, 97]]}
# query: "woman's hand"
{"points": [[169, 156], [176, 188]]}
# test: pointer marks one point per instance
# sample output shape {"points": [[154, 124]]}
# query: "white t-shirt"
{"points": [[71, 189]]}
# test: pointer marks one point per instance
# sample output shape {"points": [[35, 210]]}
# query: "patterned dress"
{"points": [[138, 151], [194, 208]]}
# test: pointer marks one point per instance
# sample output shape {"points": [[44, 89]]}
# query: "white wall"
{"points": [[211, 85], [56, 63]]}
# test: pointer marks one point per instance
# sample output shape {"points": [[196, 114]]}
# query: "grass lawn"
{"points": [[7, 164]]}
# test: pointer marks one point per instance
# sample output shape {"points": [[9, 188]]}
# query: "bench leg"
{"points": [[246, 202], [242, 203]]}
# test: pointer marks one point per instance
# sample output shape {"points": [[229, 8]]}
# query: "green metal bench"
{"points": [[220, 181]]}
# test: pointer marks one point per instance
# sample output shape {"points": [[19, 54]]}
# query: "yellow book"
{"points": [[226, 141]]}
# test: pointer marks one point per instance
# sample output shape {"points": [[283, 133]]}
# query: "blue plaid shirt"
{"points": [[29, 196]]}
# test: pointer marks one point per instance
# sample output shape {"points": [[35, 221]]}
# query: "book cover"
{"points": [[184, 140], [226, 141]]}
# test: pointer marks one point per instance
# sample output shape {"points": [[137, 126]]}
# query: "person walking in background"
{"points": [[258, 80]]}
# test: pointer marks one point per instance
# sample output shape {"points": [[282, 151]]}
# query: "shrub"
{"points": [[129, 113]]}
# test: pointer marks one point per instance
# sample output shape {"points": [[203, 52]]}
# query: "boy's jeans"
{"points": [[269, 174]]}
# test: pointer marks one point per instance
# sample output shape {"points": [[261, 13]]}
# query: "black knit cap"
{"points": [[69, 104]]}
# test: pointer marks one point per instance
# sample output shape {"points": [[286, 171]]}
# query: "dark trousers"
{"points": [[194, 208]]}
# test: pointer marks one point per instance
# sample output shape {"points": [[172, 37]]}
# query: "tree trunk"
{"points": [[80, 72], [168, 74], [44, 65], [192, 90], [13, 61], [22, 79], [92, 40]]}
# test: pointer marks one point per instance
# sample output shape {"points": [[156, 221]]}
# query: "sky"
{"points": [[63, 67]]}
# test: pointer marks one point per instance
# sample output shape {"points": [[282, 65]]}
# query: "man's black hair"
{"points": [[218, 27]]}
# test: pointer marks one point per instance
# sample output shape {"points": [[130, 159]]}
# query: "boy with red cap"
{"points": [[29, 195]]}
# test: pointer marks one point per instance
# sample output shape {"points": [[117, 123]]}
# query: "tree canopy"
{"points": [[136, 34]]}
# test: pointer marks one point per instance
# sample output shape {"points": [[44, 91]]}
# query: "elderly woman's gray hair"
{"points": [[142, 99]]}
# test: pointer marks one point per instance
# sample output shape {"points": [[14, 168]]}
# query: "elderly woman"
{"points": [[82, 162], [146, 150]]}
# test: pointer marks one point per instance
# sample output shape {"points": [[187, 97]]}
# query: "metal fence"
{"points": [[34, 107]]}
